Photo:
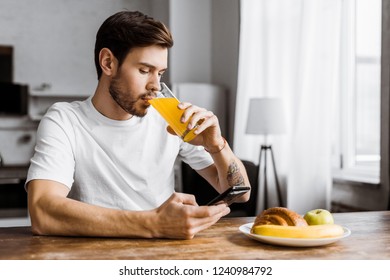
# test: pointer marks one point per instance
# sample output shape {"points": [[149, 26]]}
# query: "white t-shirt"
{"points": [[117, 164]]}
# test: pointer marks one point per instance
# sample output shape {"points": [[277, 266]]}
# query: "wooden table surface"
{"points": [[370, 239]]}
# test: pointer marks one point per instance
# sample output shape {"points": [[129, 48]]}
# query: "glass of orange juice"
{"points": [[166, 104]]}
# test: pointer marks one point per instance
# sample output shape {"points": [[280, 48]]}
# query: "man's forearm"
{"points": [[179, 217], [52, 213], [231, 171]]}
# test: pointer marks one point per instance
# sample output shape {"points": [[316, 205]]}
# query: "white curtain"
{"points": [[290, 49]]}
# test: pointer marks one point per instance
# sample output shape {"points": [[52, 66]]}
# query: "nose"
{"points": [[154, 83]]}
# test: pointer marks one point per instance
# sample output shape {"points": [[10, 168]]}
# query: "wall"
{"points": [[352, 196], [190, 59], [225, 49], [206, 34], [54, 40], [159, 9]]}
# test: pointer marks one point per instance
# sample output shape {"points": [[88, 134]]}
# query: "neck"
{"points": [[105, 105]]}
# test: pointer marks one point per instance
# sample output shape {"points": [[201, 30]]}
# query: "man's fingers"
{"points": [[211, 211], [185, 198]]}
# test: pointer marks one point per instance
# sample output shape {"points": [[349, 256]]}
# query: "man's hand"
{"points": [[207, 126], [181, 217]]}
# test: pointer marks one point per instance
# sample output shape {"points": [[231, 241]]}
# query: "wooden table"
{"points": [[370, 239]]}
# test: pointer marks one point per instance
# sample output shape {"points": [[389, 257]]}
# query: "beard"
{"points": [[133, 106]]}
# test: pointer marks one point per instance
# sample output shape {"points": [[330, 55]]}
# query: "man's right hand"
{"points": [[181, 217]]}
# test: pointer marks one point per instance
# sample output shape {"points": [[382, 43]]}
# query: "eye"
{"points": [[143, 71]]}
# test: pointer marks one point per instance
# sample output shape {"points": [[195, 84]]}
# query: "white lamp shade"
{"points": [[266, 116]]}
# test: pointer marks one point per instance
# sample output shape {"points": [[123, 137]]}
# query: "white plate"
{"points": [[294, 242]]}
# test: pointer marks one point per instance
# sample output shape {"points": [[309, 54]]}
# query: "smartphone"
{"points": [[230, 195]]}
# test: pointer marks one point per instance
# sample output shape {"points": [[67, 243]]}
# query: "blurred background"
{"points": [[326, 62]]}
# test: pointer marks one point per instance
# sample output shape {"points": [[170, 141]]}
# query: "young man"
{"points": [[104, 166]]}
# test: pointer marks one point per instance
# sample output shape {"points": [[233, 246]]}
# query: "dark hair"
{"points": [[126, 30]]}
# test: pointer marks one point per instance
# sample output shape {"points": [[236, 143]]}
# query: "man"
{"points": [[104, 166]]}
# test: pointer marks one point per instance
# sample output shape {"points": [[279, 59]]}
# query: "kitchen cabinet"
{"points": [[13, 203], [17, 141], [39, 101]]}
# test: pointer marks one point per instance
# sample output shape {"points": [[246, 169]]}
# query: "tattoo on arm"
{"points": [[234, 176]]}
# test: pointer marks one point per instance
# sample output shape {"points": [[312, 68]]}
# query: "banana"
{"points": [[315, 231]]}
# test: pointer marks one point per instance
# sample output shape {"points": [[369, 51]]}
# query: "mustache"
{"points": [[148, 95]]}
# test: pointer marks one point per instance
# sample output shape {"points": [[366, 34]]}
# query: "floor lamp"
{"points": [[266, 117]]}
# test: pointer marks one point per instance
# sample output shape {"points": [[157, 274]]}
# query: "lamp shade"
{"points": [[266, 116]]}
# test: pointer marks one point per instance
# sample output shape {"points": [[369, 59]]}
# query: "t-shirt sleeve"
{"points": [[195, 156], [53, 158]]}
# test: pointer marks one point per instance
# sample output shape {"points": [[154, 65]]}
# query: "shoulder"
{"points": [[66, 107], [60, 116], [62, 111]]}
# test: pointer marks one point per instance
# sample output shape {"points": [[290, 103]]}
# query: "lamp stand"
{"points": [[263, 151]]}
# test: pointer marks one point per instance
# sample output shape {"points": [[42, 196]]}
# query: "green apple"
{"points": [[319, 217]]}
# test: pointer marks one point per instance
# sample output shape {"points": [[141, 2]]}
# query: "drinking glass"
{"points": [[166, 104]]}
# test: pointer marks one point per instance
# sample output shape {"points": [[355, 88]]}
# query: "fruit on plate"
{"points": [[316, 231], [280, 216], [318, 217]]}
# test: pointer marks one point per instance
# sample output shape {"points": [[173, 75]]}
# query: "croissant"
{"points": [[280, 216]]}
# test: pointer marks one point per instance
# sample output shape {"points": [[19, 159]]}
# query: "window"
{"points": [[357, 144]]}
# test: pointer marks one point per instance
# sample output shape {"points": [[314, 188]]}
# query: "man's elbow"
{"points": [[38, 217], [245, 197], [44, 199], [37, 222], [36, 229]]}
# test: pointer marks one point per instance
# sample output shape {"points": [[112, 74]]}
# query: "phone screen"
{"points": [[230, 195]]}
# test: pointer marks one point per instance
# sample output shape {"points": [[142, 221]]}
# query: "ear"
{"points": [[107, 62]]}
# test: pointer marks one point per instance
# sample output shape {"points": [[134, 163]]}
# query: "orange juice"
{"points": [[167, 107]]}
